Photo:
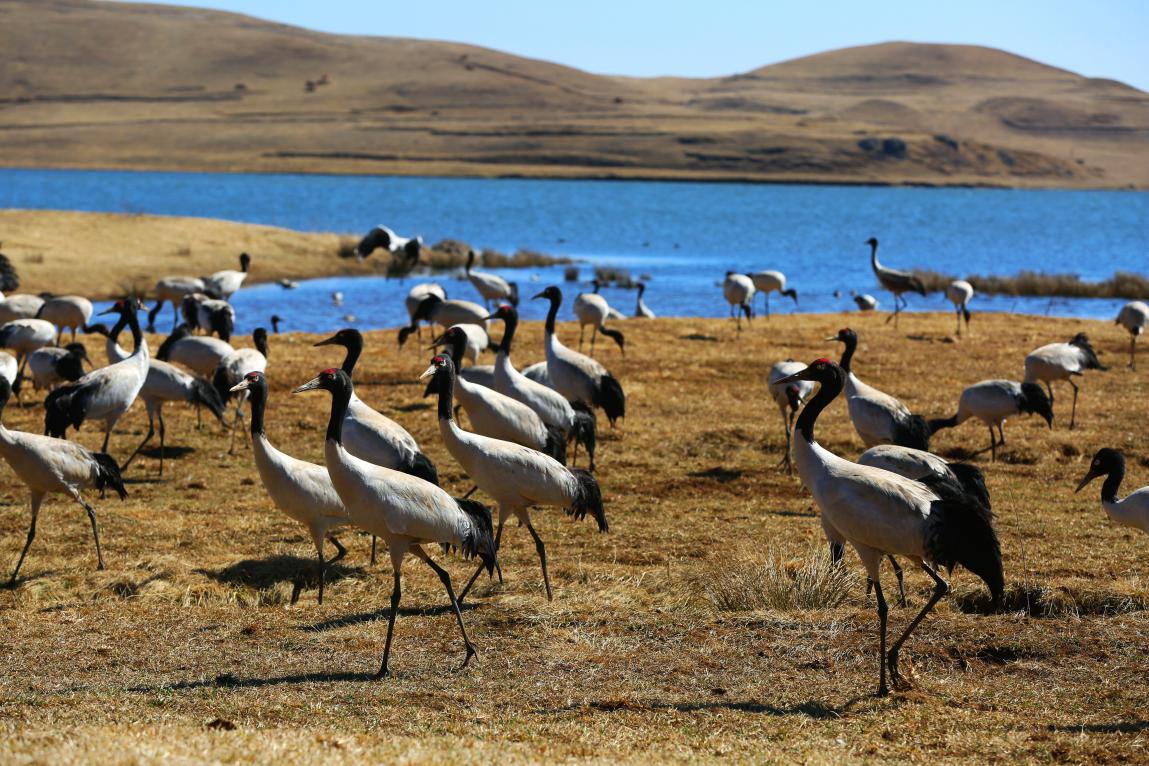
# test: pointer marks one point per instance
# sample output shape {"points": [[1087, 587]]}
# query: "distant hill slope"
{"points": [[91, 84]]}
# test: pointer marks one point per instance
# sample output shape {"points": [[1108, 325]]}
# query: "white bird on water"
{"points": [[404, 510], [880, 513]]}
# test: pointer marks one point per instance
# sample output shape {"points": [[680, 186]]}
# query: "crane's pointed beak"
{"points": [[489, 318], [310, 385], [240, 386], [800, 375], [540, 295], [1088, 478], [110, 310], [428, 372], [333, 340]]}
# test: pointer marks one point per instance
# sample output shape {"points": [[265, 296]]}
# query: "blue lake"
{"points": [[684, 236]]}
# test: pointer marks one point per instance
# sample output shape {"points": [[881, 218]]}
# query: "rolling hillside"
{"points": [[92, 84]]}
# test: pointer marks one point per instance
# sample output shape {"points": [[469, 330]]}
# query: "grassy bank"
{"points": [[104, 255], [699, 628], [1123, 284]]}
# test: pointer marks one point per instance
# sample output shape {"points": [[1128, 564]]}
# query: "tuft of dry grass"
{"points": [[746, 583], [1123, 284]]}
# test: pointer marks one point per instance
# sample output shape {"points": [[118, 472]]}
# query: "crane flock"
{"points": [[898, 500]]}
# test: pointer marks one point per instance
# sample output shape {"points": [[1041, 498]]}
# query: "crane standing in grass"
{"points": [[960, 293], [1133, 317], [1131, 511], [1062, 361], [738, 289], [767, 282]]}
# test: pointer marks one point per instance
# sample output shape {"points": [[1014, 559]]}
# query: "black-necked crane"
{"points": [[538, 373], [576, 376], [878, 417], [53, 365], [199, 353], [214, 316], [9, 278], [276, 321], [992, 402], [71, 312], [107, 393], [223, 284], [47, 465], [918, 465], [370, 435], [9, 368], [516, 477], [788, 397], [165, 383], [20, 306], [880, 513], [416, 295], [475, 341], [1133, 509], [641, 311], [490, 286], [232, 369], [592, 309], [300, 489], [404, 510], [445, 313], [1062, 361], [498, 415], [960, 293], [577, 423], [770, 281], [864, 302], [896, 281], [738, 289], [27, 335], [407, 249], [1133, 316], [173, 290]]}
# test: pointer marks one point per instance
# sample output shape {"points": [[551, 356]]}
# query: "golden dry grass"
{"points": [[188, 631]]}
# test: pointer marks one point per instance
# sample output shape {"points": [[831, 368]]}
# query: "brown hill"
{"points": [[89, 84]]}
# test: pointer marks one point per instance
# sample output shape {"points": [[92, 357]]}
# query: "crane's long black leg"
{"points": [[95, 529], [941, 587], [148, 438], [837, 551], [1049, 388], [992, 445], [395, 594], [163, 434], [479, 571], [374, 539], [542, 551], [446, 580], [901, 582], [107, 435], [1073, 416], [883, 611], [36, 501], [340, 551]]}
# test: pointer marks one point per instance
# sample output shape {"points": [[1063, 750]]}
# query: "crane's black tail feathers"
{"points": [[479, 539], [9, 279], [165, 350], [66, 406], [936, 424], [556, 445], [1081, 340], [221, 381], [959, 530], [913, 432], [611, 398], [973, 480], [208, 396], [108, 474], [585, 428], [421, 466], [588, 499]]}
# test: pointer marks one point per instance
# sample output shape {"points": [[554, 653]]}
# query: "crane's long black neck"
{"points": [[340, 398], [445, 381], [1113, 482], [851, 345], [118, 328], [458, 345], [134, 325], [257, 397], [354, 348], [510, 323], [830, 388], [551, 314], [874, 255]]}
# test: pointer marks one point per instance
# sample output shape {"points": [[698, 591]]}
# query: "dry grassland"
{"points": [[188, 633]]}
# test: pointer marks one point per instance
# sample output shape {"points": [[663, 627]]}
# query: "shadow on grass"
{"points": [[416, 407], [718, 473], [268, 572], [811, 708], [700, 336], [229, 681], [1125, 727], [381, 614]]}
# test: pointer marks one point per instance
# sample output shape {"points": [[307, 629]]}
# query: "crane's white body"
{"points": [[20, 306], [70, 312], [1133, 317], [26, 335], [591, 309], [778, 392], [115, 387], [482, 374], [1054, 362], [873, 412], [420, 291], [866, 302], [499, 416], [42, 365], [491, 286], [905, 461], [372, 436], [1131, 510], [9, 367], [226, 282], [738, 289], [538, 373], [173, 290], [453, 312], [549, 404], [768, 281], [477, 340], [573, 375], [200, 354], [990, 401], [959, 293]]}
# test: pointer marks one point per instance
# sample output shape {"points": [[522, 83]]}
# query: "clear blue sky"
{"points": [[705, 38]]}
